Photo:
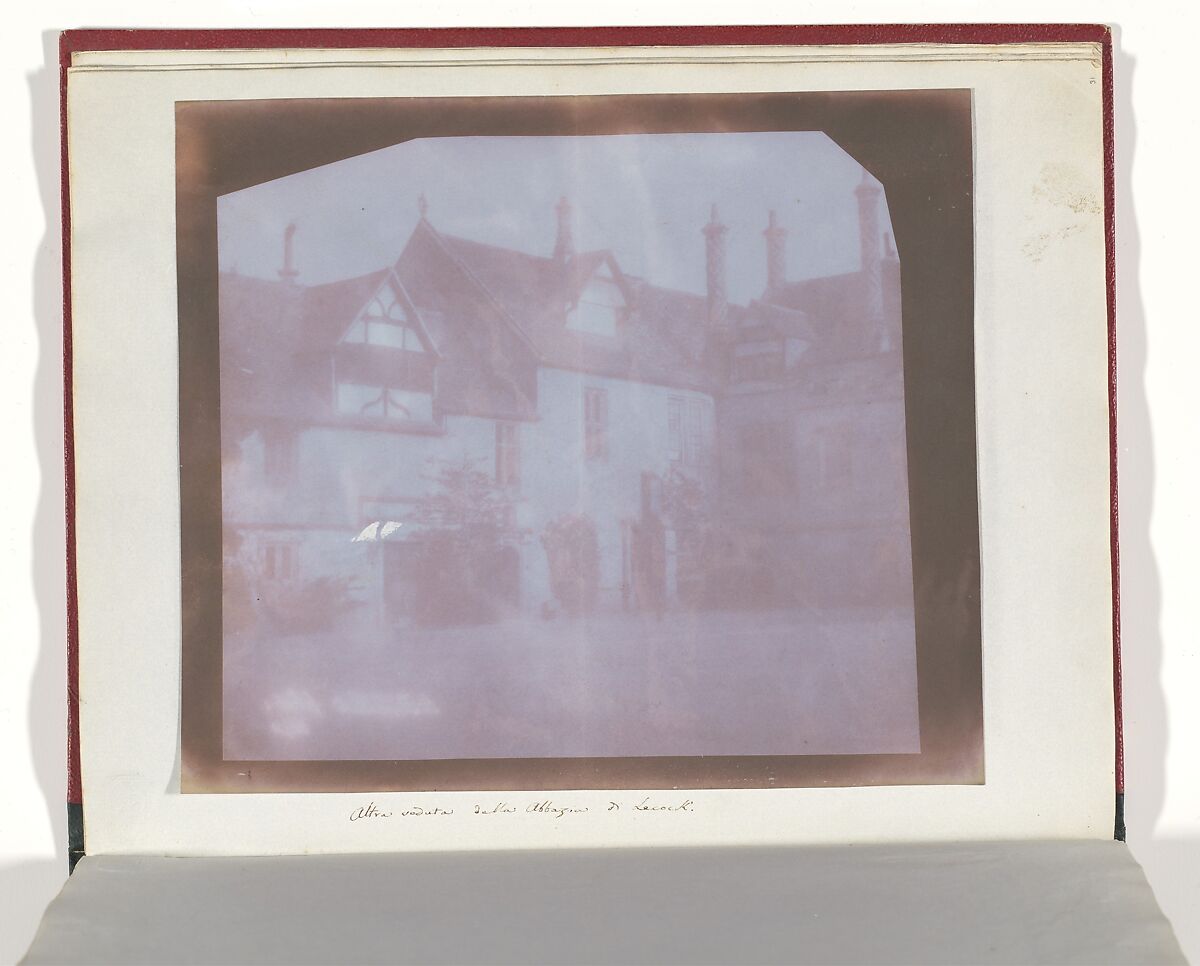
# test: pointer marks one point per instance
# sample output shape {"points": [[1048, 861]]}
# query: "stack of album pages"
{"points": [[594, 495]]}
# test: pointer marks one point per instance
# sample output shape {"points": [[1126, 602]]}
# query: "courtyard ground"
{"points": [[779, 682]]}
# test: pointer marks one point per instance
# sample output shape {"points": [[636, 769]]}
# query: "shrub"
{"points": [[311, 606], [574, 558], [468, 561]]}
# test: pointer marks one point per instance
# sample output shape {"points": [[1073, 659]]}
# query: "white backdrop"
{"points": [[1159, 396]]}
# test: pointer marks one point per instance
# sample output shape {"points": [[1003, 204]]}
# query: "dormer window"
{"points": [[686, 435], [384, 364], [599, 307], [385, 322], [380, 402]]}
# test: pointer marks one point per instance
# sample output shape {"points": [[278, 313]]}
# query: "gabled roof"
{"points": [[837, 308], [328, 313], [501, 312], [328, 309], [277, 339], [265, 350], [767, 319], [583, 268], [834, 299], [469, 269], [661, 341]]}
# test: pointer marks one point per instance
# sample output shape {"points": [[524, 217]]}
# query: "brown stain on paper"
{"points": [[1059, 188]]}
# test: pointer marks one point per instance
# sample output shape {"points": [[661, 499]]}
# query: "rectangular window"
{"points": [[652, 495], [685, 431], [693, 448], [595, 423], [279, 561], [508, 454], [279, 455], [675, 428]]}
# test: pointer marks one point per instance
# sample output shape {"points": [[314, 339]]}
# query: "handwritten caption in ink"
{"points": [[542, 807]]}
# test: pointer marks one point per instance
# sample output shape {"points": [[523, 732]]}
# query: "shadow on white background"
{"points": [[33, 834], [1171, 861], [32, 692]]}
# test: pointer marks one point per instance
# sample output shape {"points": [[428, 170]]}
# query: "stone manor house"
{"points": [[711, 454]]}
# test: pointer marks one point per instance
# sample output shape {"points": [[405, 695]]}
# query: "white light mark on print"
{"points": [[292, 712], [379, 530], [384, 704]]}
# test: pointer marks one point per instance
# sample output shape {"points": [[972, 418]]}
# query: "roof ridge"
{"points": [[379, 272], [447, 237], [670, 291], [478, 282]]}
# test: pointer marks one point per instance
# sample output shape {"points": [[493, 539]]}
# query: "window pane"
{"points": [[386, 334], [355, 399], [675, 428], [405, 404], [694, 445]]}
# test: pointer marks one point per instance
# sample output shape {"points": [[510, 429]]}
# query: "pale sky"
{"points": [[645, 196]]}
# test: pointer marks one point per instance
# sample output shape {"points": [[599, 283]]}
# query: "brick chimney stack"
{"points": [[776, 237], [714, 244], [289, 273], [564, 242]]}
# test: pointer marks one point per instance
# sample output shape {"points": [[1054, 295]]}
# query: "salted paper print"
{"points": [[564, 449]]}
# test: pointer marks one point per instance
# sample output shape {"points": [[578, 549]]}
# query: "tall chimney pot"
{"points": [[564, 241], [714, 245], [776, 237], [289, 273]]}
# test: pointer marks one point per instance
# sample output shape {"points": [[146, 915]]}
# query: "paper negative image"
{"points": [[578, 442], [565, 447]]}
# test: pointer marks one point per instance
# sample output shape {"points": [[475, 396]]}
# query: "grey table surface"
{"points": [[999, 902]]}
